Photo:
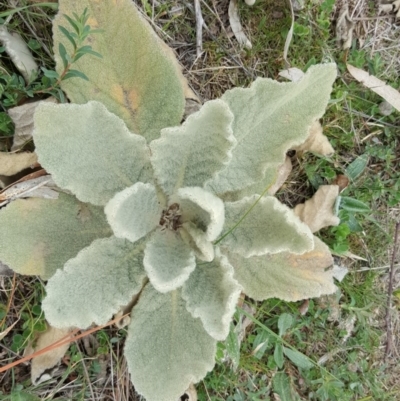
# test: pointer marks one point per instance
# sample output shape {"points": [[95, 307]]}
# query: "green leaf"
{"points": [[357, 166], [168, 260], [285, 322], [278, 355], [23, 396], [285, 275], [72, 23], [211, 293], [202, 208], [138, 78], [89, 150], [95, 284], [75, 74], [63, 55], [353, 205], [299, 359], [189, 155], [232, 345], [166, 348], [66, 33], [256, 226], [43, 234], [49, 73], [134, 212], [270, 118], [282, 387]]}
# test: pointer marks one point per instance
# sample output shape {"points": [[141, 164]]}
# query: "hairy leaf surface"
{"points": [[285, 275], [168, 260], [89, 150], [134, 212], [256, 226], [95, 284], [211, 293], [40, 235], [166, 348], [270, 118], [189, 155], [197, 240], [137, 78], [203, 209]]}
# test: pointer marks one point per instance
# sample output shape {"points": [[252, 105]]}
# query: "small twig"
{"points": [[389, 341], [199, 28]]}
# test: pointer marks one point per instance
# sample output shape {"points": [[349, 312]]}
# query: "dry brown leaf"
{"points": [[283, 173], [13, 163], [316, 142], [42, 363], [317, 212], [22, 117], [342, 181], [236, 26], [344, 28], [390, 94]]}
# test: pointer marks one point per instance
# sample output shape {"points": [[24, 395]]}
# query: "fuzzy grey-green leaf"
{"points": [[95, 284], [89, 150], [166, 348]]}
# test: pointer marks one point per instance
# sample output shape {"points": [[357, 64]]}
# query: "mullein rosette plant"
{"points": [[173, 216]]}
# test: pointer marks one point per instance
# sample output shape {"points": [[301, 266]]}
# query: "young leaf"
{"points": [[181, 350], [49, 73], [72, 22], [63, 55], [77, 150], [285, 322], [299, 359], [43, 246], [168, 260], [189, 155], [75, 74], [147, 92], [285, 275], [68, 36], [357, 166], [353, 205], [256, 226], [211, 293], [93, 285], [278, 355]]}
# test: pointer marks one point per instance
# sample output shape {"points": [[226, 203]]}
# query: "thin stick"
{"points": [[199, 28], [389, 341]]}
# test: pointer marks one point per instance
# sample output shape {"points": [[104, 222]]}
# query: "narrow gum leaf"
{"points": [[43, 234], [285, 275], [89, 150], [94, 284], [145, 87], [258, 225], [166, 348]]}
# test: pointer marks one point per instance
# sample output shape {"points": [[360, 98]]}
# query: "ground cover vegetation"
{"points": [[328, 349]]}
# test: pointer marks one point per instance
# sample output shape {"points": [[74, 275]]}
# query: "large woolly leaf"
{"points": [[95, 284], [134, 212], [211, 293], [203, 209], [191, 154], [168, 260], [285, 275], [38, 236], [270, 118], [137, 78], [258, 225], [89, 150], [166, 348]]}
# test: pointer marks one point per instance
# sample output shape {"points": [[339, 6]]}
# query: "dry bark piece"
{"points": [[22, 117], [317, 212], [316, 142], [42, 363], [390, 94], [13, 163]]}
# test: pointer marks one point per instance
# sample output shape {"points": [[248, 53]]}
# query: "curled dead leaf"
{"points": [[13, 163], [236, 26], [316, 141], [318, 212], [344, 27], [41, 364], [341, 181]]}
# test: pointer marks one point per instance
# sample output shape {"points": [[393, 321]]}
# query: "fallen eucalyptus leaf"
{"points": [[236, 26], [390, 94], [316, 142], [13, 163], [317, 212], [22, 117], [19, 52], [43, 362]]}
